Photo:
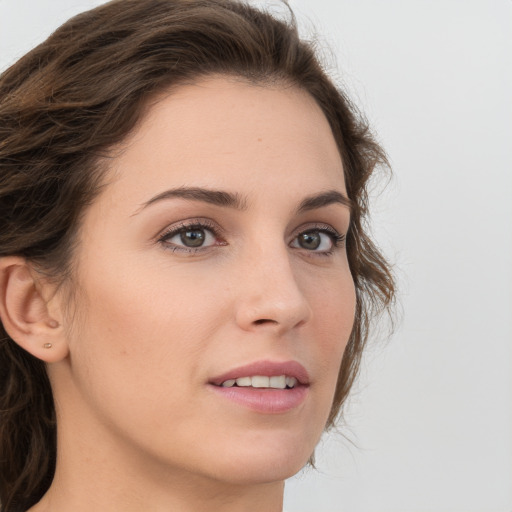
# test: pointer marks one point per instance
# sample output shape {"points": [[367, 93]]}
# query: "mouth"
{"points": [[262, 382], [265, 387]]}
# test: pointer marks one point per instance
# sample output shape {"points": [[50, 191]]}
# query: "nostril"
{"points": [[263, 321]]}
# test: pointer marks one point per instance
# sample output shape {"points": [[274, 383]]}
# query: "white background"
{"points": [[429, 425]]}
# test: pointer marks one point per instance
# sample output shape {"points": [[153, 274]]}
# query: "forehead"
{"points": [[223, 133]]}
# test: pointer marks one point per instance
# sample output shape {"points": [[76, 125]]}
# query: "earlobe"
{"points": [[25, 314]]}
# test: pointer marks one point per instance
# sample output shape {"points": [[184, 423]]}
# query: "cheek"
{"points": [[138, 339], [333, 307]]}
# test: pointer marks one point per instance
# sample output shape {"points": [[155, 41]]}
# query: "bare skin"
{"points": [[139, 424]]}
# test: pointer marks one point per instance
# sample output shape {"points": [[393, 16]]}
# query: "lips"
{"points": [[241, 387], [291, 369]]}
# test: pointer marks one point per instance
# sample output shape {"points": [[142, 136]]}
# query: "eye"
{"points": [[189, 237], [314, 240], [320, 240], [195, 237]]}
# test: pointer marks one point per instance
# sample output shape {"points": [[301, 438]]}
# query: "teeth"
{"points": [[260, 381], [291, 382], [244, 381], [278, 382]]}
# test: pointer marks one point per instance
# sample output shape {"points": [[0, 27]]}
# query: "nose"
{"points": [[270, 296]]}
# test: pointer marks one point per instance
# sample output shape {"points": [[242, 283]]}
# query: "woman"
{"points": [[186, 283]]}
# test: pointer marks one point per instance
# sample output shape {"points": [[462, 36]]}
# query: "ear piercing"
{"points": [[47, 345]]}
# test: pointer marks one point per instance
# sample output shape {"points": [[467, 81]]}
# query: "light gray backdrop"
{"points": [[431, 417]]}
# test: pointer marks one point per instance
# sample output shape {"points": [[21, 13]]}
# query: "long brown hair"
{"points": [[65, 103]]}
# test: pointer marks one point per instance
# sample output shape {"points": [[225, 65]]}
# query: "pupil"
{"points": [[310, 240], [193, 237]]}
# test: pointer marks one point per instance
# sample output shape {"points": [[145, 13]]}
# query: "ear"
{"points": [[25, 311]]}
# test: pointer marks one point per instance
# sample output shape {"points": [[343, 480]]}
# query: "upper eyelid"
{"points": [[319, 226], [176, 227]]}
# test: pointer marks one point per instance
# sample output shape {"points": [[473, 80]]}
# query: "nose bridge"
{"points": [[270, 293]]}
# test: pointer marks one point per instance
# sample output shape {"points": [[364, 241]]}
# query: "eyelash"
{"points": [[337, 239], [202, 224]]}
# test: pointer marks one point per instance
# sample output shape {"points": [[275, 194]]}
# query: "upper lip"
{"points": [[267, 369]]}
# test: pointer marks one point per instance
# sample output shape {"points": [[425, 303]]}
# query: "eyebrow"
{"points": [[215, 197], [324, 199], [236, 201]]}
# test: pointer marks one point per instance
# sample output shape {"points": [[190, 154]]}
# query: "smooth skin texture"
{"points": [[139, 427]]}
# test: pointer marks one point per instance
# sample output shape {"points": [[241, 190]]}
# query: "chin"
{"points": [[261, 473], [265, 462]]}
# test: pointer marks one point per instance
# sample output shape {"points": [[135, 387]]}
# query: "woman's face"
{"points": [[215, 253]]}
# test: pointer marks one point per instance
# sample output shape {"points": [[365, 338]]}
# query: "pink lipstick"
{"points": [[267, 387]]}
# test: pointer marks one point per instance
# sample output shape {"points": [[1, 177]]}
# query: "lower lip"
{"points": [[264, 400]]}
